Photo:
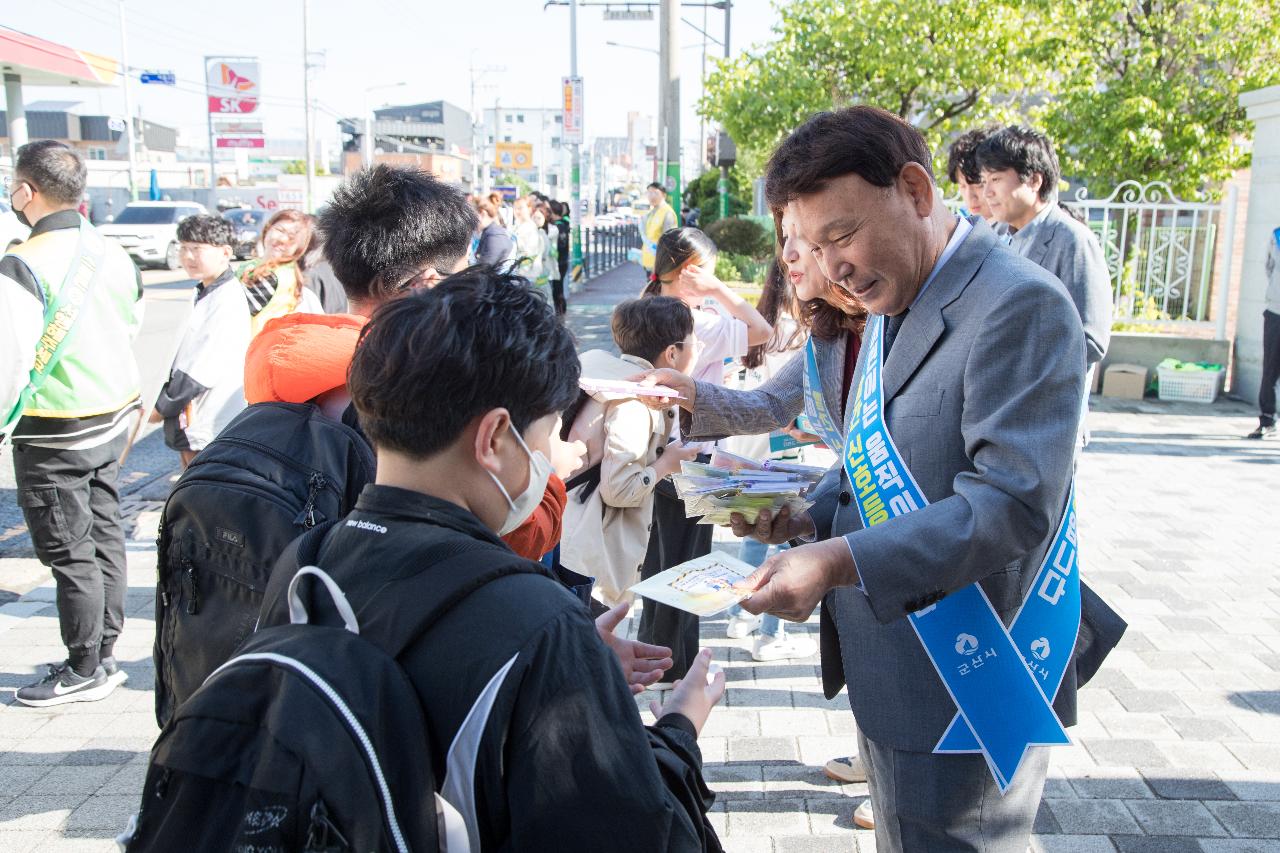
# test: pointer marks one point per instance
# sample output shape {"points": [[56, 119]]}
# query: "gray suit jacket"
{"points": [[1069, 250], [720, 412], [982, 394]]}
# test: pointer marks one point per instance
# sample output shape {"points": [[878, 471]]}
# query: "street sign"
{"points": [[221, 126], [241, 142], [628, 14], [572, 87], [116, 124], [162, 78], [513, 155], [234, 86]]}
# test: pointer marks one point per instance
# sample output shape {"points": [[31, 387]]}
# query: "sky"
{"points": [[429, 45]]}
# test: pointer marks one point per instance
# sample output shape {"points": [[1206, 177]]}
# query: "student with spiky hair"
{"points": [[205, 388]]}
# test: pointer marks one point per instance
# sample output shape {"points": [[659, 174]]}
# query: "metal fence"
{"points": [[1162, 254], [606, 247]]}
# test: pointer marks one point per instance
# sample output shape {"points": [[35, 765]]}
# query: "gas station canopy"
{"points": [[44, 63]]}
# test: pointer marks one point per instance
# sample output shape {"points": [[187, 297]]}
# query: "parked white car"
{"points": [[148, 230]]}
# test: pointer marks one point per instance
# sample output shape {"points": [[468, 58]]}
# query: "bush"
{"points": [[731, 267], [726, 269], [738, 236]]}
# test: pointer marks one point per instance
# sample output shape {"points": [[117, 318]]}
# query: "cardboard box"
{"points": [[1126, 381]]}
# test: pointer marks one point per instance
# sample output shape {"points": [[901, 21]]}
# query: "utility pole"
{"points": [[575, 159], [669, 97], [128, 108], [723, 184], [306, 97]]}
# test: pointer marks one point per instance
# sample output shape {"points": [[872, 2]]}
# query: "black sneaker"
{"points": [[1263, 432], [115, 674], [62, 685]]}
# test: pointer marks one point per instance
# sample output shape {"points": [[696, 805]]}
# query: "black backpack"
{"points": [[312, 738], [275, 472]]}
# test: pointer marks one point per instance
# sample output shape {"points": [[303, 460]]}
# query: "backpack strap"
{"points": [[308, 546], [589, 477]]}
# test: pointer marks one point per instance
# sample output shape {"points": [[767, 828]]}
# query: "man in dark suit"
{"points": [[983, 373]]}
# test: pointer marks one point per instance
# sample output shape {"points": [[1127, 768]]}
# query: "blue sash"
{"points": [[1004, 705], [815, 402]]}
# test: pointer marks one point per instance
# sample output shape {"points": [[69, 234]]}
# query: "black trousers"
{"points": [[1270, 368], [674, 540], [72, 508], [557, 296]]}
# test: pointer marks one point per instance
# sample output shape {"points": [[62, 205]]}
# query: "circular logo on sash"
{"points": [[1040, 648], [966, 644]]}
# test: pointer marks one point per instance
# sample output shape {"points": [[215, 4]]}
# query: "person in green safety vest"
{"points": [[72, 301]]}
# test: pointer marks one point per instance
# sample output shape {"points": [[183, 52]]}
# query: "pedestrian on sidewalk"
{"points": [[1270, 345], [559, 758], [684, 267], [495, 245], [660, 219], [205, 388], [835, 322], [609, 517], [73, 303], [275, 282]]}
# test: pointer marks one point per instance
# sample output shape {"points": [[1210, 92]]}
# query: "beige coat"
{"points": [[607, 535]]}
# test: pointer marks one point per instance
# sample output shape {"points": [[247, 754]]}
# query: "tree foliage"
{"points": [[943, 66], [1154, 93], [1129, 89]]}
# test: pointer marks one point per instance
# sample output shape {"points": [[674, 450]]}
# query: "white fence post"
{"points": [[1228, 238]]}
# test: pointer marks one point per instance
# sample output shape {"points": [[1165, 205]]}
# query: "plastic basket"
{"points": [[1189, 386]]}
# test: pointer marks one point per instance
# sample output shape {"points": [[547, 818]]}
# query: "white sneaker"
{"points": [[742, 624], [863, 817], [847, 770], [782, 648]]}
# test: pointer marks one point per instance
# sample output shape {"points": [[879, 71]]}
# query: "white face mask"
{"points": [[524, 505]]}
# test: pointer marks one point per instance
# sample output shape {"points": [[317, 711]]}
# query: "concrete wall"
{"points": [[1151, 349], [1263, 107]]}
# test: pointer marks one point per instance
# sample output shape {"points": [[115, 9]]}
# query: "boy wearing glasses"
{"points": [[205, 389]]}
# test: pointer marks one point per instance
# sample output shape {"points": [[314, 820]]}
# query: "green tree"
{"points": [[511, 179], [943, 66], [1155, 92], [703, 193]]}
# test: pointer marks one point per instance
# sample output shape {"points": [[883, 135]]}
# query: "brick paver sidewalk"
{"points": [[1178, 747]]}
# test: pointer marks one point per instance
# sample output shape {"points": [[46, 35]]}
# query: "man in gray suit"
{"points": [[983, 372], [1020, 177]]}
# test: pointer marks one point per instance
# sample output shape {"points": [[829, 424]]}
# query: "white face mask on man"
{"points": [[524, 505]]}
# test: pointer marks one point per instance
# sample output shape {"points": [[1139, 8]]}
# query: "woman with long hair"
{"points": [[815, 382], [684, 267], [274, 283]]}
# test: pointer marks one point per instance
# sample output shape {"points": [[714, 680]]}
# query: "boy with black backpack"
{"points": [[529, 730]]}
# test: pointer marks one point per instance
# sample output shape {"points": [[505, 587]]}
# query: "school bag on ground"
{"points": [[311, 737], [275, 472]]}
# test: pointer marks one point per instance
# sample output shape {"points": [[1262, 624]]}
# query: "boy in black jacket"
{"points": [[532, 727]]}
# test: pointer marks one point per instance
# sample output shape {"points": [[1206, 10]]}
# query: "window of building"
{"points": [[555, 142], [96, 153], [507, 118], [506, 139], [520, 118], [559, 119]]}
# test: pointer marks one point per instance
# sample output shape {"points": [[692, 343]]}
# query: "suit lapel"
{"points": [[925, 323], [1045, 233]]}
